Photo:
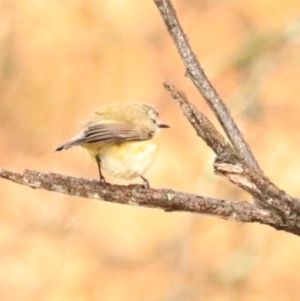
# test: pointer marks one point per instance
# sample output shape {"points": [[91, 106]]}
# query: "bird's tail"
{"points": [[77, 140]]}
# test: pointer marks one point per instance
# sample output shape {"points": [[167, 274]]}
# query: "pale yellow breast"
{"points": [[126, 160]]}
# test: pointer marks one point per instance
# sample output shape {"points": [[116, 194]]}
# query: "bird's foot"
{"points": [[145, 184], [102, 180]]}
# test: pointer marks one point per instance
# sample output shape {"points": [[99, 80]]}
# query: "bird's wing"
{"points": [[115, 132]]}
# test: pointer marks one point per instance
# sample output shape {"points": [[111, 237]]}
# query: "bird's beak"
{"points": [[163, 126]]}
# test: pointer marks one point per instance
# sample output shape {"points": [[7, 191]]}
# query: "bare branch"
{"points": [[166, 199], [234, 162], [204, 128], [198, 77], [230, 165]]}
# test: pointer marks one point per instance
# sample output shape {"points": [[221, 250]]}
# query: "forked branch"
{"points": [[234, 161], [196, 73]]}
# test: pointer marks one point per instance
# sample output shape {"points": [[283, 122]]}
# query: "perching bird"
{"points": [[122, 138]]}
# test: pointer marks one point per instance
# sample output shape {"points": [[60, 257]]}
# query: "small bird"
{"points": [[122, 138]]}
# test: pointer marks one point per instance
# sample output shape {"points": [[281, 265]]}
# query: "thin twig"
{"points": [[198, 77], [203, 127]]}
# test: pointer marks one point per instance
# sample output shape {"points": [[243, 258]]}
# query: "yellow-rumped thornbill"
{"points": [[122, 138]]}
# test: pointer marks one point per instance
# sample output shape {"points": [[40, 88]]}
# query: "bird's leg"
{"points": [[145, 183], [102, 179]]}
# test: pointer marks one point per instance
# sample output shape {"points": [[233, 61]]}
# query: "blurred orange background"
{"points": [[61, 59]]}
